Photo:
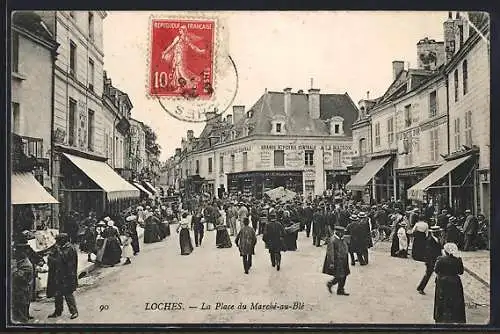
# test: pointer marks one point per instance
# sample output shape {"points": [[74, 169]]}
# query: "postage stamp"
{"points": [[182, 58]]}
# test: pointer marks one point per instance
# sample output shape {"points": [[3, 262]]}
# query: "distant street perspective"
{"points": [[317, 167]]}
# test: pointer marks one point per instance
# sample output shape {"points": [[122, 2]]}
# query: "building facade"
{"points": [[82, 179], [137, 154], [33, 55], [296, 140], [425, 144]]}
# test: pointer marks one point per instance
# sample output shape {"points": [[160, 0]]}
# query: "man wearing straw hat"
{"points": [[433, 251]]}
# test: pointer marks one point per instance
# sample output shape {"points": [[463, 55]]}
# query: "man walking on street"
{"points": [[318, 226], [62, 280], [22, 277], [246, 240], [433, 251], [132, 227], [197, 227], [308, 217], [336, 261], [470, 231], [273, 237], [232, 215]]}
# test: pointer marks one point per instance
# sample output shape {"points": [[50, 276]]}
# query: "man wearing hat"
{"points": [[471, 227], [336, 262], [273, 237], [62, 279], [132, 228], [433, 251], [308, 214], [366, 237], [318, 225], [452, 233], [22, 276], [442, 219]]}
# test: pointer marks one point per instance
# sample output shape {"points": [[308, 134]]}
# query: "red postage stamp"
{"points": [[182, 58]]}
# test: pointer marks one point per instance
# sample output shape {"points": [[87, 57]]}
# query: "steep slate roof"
{"points": [[272, 104], [33, 23]]}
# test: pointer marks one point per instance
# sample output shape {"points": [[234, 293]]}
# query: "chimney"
{"points": [[190, 135], [313, 98], [288, 100], [229, 119], [367, 94], [238, 113], [210, 117], [398, 66], [449, 36], [177, 151]]}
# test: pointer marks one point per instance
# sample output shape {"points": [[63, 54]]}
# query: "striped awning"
{"points": [[110, 181], [150, 186], [141, 188], [25, 189]]}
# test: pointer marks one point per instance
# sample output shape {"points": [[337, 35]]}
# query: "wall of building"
{"points": [[66, 87], [33, 92]]}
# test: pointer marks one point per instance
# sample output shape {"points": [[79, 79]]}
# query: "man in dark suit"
{"points": [[273, 236], [336, 261], [308, 217], [442, 219], [471, 227], [318, 225], [432, 251]]}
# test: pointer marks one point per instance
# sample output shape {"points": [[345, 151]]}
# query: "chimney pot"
{"points": [[238, 113], [287, 100], [314, 99], [368, 95], [398, 66]]}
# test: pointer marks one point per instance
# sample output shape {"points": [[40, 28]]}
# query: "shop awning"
{"points": [[141, 188], [25, 189], [110, 181], [417, 192], [150, 186], [360, 180]]}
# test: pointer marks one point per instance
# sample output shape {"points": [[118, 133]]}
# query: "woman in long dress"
{"points": [[449, 304], [290, 238], [112, 245], [399, 246], [151, 233], [184, 236], [127, 251], [419, 232], [222, 239]]}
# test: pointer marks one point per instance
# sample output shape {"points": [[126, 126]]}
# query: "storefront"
{"points": [[337, 179], [374, 182], [452, 185], [31, 203], [408, 177], [91, 185], [256, 183]]}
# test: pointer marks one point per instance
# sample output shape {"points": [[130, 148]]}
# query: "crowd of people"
{"points": [[346, 228]]}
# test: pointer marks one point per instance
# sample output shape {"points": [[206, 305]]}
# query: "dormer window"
{"points": [[249, 114], [278, 127], [337, 126]]}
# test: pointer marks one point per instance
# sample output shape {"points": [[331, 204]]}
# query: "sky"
{"points": [[341, 51]]}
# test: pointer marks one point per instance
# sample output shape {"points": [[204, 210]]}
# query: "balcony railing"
{"points": [[32, 152]]}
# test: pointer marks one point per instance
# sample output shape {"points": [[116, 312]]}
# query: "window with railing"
{"points": [[362, 146], [455, 81], [91, 74], [468, 128], [221, 164], [337, 158], [32, 147], [210, 165], [432, 104]]}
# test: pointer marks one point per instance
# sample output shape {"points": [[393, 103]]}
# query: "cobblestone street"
{"points": [[382, 292]]}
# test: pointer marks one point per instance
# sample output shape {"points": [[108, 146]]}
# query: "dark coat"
{"points": [[318, 223], [337, 258], [22, 277], [432, 251], [62, 275], [246, 240], [449, 305], [418, 251], [453, 234], [273, 236], [365, 224], [354, 229], [308, 214], [471, 225], [442, 220]]}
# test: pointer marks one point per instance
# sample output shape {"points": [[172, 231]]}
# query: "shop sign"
{"points": [[289, 147], [294, 159], [237, 150], [334, 173], [310, 173], [283, 174], [338, 147]]}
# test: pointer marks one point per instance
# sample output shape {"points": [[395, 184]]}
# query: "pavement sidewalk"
{"points": [[84, 266], [477, 264]]}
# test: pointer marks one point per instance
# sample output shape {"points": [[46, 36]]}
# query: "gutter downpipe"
{"points": [[450, 189], [52, 105]]}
